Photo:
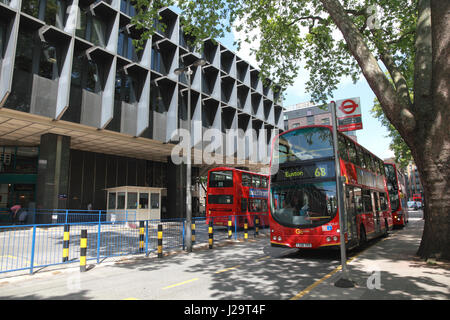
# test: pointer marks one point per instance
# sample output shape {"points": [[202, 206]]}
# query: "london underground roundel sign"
{"points": [[348, 113], [348, 106]]}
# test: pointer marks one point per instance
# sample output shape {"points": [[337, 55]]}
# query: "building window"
{"points": [[53, 12], [326, 121], [125, 47], [295, 125], [91, 29], [143, 200], [127, 8], [132, 200], [154, 199], [310, 120]]}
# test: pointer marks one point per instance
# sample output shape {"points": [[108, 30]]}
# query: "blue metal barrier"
{"points": [[35, 246]]}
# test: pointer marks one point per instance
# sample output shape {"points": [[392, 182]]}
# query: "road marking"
{"points": [[131, 299], [179, 284], [266, 257], [227, 269], [315, 284]]}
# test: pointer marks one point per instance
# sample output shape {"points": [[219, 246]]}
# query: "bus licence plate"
{"points": [[303, 245]]}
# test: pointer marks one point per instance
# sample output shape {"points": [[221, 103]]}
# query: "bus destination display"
{"points": [[314, 171]]}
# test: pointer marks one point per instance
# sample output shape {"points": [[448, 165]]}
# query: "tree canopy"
{"points": [[300, 30]]}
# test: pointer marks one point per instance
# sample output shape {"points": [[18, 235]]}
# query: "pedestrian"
{"points": [[14, 209], [22, 215]]}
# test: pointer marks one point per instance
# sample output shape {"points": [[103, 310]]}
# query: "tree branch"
{"points": [[399, 80], [307, 18], [392, 103]]}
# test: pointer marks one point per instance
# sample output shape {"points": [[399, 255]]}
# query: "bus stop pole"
{"points": [[344, 281], [188, 235]]}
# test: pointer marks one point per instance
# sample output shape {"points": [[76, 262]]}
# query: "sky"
{"points": [[373, 136]]}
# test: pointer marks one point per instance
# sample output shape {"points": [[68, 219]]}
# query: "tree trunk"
{"points": [[432, 154], [424, 126]]}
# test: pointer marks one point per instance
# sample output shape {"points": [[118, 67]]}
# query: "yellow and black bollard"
{"points": [[245, 229], [193, 233], [66, 243], [230, 223], [83, 250], [211, 234], [141, 236], [256, 226], [160, 241]]}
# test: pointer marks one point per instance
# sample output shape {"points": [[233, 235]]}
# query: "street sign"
{"points": [[348, 112]]}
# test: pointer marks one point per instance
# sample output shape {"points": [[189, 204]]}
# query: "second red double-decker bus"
{"points": [[396, 195], [239, 194], [417, 197], [303, 200]]}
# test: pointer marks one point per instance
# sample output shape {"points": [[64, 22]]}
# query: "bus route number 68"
{"points": [[320, 172]]}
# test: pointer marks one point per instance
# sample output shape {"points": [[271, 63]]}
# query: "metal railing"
{"points": [[35, 246]]}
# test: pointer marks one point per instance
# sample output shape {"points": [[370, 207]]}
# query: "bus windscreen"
{"points": [[304, 144], [392, 185], [304, 205], [221, 179]]}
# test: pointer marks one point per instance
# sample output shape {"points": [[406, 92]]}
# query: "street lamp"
{"points": [[188, 71]]}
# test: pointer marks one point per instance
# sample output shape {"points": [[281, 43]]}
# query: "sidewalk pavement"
{"points": [[388, 270]]}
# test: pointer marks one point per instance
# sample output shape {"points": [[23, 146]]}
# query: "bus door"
{"points": [[351, 213], [377, 225]]}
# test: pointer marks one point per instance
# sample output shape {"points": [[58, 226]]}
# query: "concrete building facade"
{"points": [[81, 110]]}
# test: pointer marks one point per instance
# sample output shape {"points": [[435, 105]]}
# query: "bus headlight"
{"points": [[279, 238], [335, 238], [328, 239]]}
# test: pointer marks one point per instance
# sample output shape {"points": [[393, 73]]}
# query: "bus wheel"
{"points": [[362, 237]]}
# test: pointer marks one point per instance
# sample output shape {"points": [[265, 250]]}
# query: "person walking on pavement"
{"points": [[14, 209]]}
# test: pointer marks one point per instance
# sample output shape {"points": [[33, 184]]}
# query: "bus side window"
{"points": [[352, 152], [367, 200], [246, 180], [383, 202], [360, 157], [358, 200], [342, 148], [256, 181], [264, 182], [244, 205]]}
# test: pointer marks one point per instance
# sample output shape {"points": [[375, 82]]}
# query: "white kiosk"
{"points": [[129, 203]]}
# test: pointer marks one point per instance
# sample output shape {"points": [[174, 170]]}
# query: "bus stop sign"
{"points": [[348, 112]]}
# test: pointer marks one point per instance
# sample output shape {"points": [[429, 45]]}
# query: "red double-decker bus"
{"points": [[303, 200], [396, 194], [417, 197], [237, 194]]}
